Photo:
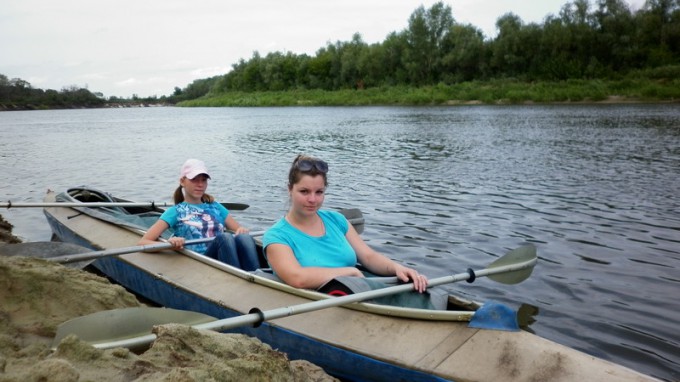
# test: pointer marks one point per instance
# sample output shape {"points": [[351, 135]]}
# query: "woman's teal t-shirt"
{"points": [[332, 250]]}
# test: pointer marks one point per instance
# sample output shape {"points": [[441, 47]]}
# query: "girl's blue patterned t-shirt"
{"points": [[196, 221]]}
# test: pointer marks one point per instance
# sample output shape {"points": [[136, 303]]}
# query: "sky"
{"points": [[148, 47]]}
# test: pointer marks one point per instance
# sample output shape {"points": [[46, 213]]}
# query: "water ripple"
{"points": [[441, 189]]}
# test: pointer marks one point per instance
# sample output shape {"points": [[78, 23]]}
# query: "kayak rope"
{"points": [[472, 277], [260, 314]]}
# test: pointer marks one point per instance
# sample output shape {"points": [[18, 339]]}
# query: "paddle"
{"points": [[355, 218], [513, 268], [353, 215], [125, 250], [44, 250], [8, 205]]}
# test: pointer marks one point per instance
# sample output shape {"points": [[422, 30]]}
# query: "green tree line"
{"points": [[584, 41], [17, 94]]}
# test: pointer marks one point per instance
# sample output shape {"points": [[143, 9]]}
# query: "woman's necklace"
{"points": [[315, 227]]}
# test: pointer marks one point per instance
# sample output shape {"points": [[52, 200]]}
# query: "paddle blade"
{"points": [[355, 217], [496, 316], [47, 250], [119, 324], [235, 206], [519, 263]]}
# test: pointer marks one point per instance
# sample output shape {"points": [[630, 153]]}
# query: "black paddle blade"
{"points": [[235, 206], [355, 217]]}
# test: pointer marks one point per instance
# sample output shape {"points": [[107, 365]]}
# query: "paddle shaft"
{"points": [[125, 250], [256, 316], [229, 206], [67, 259]]}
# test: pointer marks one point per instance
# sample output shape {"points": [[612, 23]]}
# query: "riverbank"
{"points": [[498, 92], [36, 296]]}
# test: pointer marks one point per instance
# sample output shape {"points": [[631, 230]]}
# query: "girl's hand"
{"points": [[177, 242], [240, 230]]}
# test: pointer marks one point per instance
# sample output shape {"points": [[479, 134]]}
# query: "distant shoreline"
{"points": [[13, 107], [258, 100]]}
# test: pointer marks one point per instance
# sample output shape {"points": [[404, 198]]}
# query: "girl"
{"points": [[196, 215]]}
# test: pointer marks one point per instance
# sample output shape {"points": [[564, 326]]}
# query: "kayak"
{"points": [[363, 341]]}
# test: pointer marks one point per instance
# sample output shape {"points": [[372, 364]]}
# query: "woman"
{"points": [[309, 246], [196, 215]]}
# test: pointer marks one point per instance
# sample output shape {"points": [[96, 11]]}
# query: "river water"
{"points": [[595, 188]]}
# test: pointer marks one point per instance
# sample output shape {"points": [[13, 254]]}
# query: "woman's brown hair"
{"points": [[295, 173]]}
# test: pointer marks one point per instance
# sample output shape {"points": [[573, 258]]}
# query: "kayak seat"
{"points": [[90, 195], [236, 250]]}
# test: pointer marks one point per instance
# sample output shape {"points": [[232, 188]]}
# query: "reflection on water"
{"points": [[526, 315], [442, 189]]}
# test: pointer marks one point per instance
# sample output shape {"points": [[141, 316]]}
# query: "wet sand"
{"points": [[37, 295]]}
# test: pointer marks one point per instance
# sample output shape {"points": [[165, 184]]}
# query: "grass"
{"points": [[634, 88]]}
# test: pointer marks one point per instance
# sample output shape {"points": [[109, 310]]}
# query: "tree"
{"points": [[615, 42], [425, 36], [659, 31], [351, 72], [463, 54], [322, 68], [392, 52], [507, 56]]}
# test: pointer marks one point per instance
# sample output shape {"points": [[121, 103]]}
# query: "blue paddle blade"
{"points": [[496, 316]]}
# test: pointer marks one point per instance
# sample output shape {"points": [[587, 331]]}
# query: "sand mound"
{"points": [[36, 296]]}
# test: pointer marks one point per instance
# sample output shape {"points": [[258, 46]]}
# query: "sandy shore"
{"points": [[36, 296]]}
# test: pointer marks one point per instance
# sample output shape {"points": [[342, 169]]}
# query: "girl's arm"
{"points": [[151, 236], [234, 226]]}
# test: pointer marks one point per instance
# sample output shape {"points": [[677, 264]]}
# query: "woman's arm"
{"points": [[381, 264], [286, 266]]}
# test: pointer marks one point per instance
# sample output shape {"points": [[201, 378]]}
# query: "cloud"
{"points": [[149, 47], [209, 72]]}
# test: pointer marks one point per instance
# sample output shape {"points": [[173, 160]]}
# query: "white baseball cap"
{"points": [[192, 168]]}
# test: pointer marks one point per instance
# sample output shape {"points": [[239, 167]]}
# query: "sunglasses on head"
{"points": [[305, 165]]}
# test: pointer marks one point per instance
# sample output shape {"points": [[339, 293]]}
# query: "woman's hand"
{"points": [[405, 274]]}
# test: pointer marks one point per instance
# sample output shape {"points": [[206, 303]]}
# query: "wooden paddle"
{"points": [[8, 205], [512, 268]]}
